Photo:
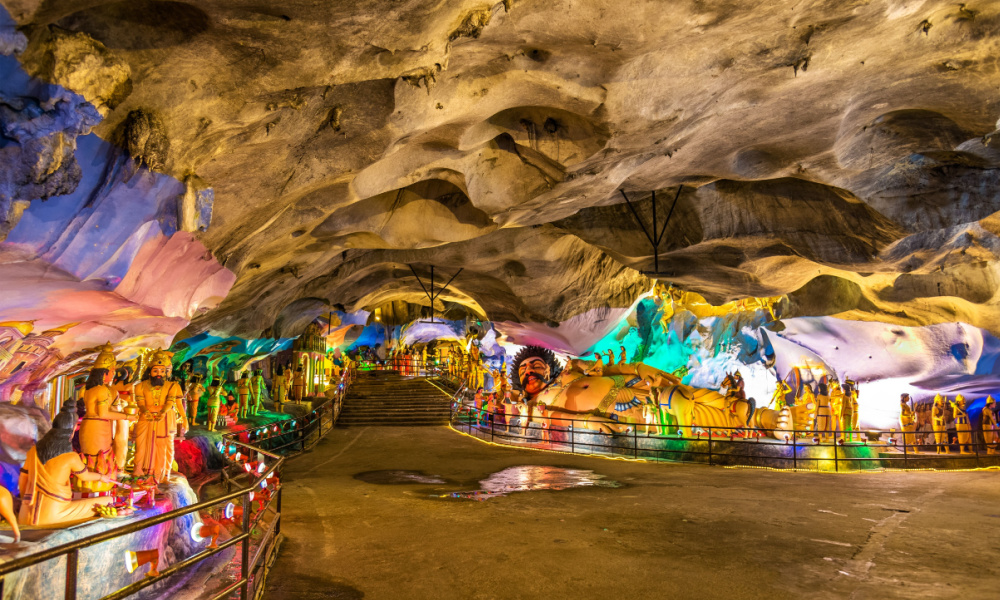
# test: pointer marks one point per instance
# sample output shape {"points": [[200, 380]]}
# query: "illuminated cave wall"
{"points": [[885, 359], [96, 245]]}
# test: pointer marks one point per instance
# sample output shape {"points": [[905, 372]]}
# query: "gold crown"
{"points": [[160, 358], [106, 358]]}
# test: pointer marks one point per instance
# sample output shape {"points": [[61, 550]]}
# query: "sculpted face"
{"points": [[533, 374], [108, 377], [157, 375]]}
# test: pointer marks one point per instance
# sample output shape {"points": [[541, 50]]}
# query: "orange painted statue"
{"points": [[243, 393], [939, 423], [160, 408], [97, 432], [45, 480], [613, 402]]}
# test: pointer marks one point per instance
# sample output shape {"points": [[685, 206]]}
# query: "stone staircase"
{"points": [[386, 398]]}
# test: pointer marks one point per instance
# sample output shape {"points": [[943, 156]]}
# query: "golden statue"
{"points": [[939, 423], [963, 429], [823, 416], [125, 390], [160, 408], [49, 470], [194, 398], [243, 395], [907, 420], [778, 398], [215, 393], [299, 385], [257, 389], [97, 432], [279, 385], [614, 402], [849, 410], [991, 435]]}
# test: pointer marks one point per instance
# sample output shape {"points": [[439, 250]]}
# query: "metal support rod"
{"points": [[245, 551], [72, 559], [656, 237]]}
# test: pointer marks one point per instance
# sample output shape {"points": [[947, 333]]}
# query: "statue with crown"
{"points": [[160, 412], [97, 429]]}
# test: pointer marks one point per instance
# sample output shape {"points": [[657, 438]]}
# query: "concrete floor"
{"points": [[673, 531]]}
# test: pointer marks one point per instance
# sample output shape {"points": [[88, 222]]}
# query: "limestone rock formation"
{"points": [[843, 153]]}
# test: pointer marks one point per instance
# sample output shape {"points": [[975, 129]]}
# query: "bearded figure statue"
{"points": [[619, 397]]}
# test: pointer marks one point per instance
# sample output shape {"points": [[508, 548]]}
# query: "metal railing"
{"points": [[833, 450], [237, 453]]}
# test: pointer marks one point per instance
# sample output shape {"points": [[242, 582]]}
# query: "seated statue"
{"points": [[45, 481], [613, 402]]}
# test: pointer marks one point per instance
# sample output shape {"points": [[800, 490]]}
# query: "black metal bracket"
{"points": [[431, 295], [655, 238]]}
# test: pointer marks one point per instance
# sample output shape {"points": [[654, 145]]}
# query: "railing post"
{"points": [[905, 457], [709, 445], [72, 559], [572, 437], [245, 551], [635, 442], [836, 461], [795, 454]]}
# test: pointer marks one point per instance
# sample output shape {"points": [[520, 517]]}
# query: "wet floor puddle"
{"points": [[533, 478], [398, 477]]}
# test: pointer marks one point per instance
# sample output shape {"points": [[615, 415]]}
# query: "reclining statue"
{"points": [[623, 395]]}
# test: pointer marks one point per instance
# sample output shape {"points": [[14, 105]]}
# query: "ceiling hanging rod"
{"points": [[654, 238], [430, 294]]}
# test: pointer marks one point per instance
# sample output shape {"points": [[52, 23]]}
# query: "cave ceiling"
{"points": [[843, 153]]}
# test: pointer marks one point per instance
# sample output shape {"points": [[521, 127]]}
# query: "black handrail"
{"points": [[710, 437], [71, 549]]}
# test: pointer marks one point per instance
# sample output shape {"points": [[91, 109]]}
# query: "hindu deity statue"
{"points": [[991, 433], [299, 385], [50, 469], [963, 429], [907, 420], [243, 393], [195, 392], [160, 408], [623, 356], [279, 385], [215, 393], [257, 391], [939, 423], [97, 432], [780, 393], [823, 416], [614, 402], [124, 403], [849, 410]]}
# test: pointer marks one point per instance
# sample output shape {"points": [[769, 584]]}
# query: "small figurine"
{"points": [[623, 356], [299, 385], [214, 403]]}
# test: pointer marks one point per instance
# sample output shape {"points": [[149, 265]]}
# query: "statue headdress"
{"points": [[160, 359], [105, 358]]}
